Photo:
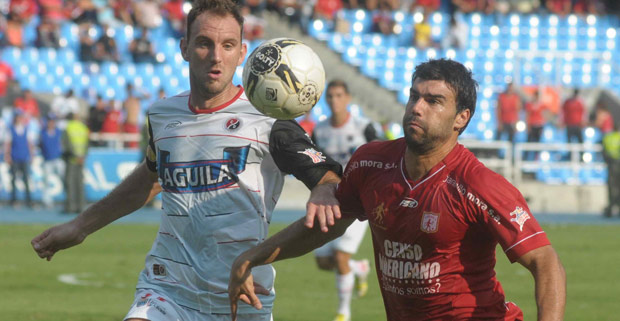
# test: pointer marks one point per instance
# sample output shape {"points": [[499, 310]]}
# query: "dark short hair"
{"points": [[221, 8], [456, 76], [338, 83]]}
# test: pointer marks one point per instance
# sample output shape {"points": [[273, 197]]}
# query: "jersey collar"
{"points": [[214, 109]]}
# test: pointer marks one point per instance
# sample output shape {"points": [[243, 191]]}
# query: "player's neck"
{"points": [[205, 101], [418, 164], [340, 119]]}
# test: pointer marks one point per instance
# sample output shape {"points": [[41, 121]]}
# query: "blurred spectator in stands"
{"points": [[426, 6], [253, 26], [536, 118], [50, 143], [6, 78], [524, 6], [141, 48], [173, 11], [112, 122], [131, 105], [48, 34], [96, 117], [87, 43], [573, 117], [63, 105], [84, 12], [307, 123], [147, 14], [611, 154], [256, 6], [326, 9], [123, 11], [18, 155], [14, 32], [27, 104], [588, 7], [559, 7], [52, 10], [105, 47], [161, 93], [602, 119], [422, 34], [465, 6], [23, 10], [382, 20], [457, 34], [75, 147], [508, 108]]}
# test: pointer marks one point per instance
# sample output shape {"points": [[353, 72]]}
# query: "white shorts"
{"points": [[349, 242], [154, 306]]}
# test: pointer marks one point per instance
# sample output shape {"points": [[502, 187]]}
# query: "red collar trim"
{"points": [[214, 109]]}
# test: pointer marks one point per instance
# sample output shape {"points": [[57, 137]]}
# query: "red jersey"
{"points": [[573, 110], [535, 114], [28, 106], [508, 106], [434, 239], [6, 75]]}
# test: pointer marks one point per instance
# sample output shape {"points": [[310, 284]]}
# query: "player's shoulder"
{"points": [[389, 150], [176, 103], [480, 178]]}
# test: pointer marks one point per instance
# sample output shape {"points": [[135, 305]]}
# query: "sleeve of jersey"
{"points": [[348, 192], [508, 217], [151, 156], [294, 153]]}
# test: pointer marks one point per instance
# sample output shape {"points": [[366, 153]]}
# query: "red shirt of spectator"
{"points": [[429, 4], [6, 75], [174, 8], [573, 111], [327, 8], [23, 9], [112, 122], [535, 114], [559, 6], [28, 105], [508, 108], [53, 9]]}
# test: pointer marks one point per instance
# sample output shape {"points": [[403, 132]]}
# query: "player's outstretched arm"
{"points": [[293, 241], [131, 194], [323, 205], [550, 279]]}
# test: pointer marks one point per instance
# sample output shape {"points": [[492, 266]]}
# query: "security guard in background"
{"points": [[611, 153], [75, 143]]}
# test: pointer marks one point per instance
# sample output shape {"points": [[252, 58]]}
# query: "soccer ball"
{"points": [[283, 78]]}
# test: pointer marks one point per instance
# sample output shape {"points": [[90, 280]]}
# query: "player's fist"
{"points": [[57, 238]]}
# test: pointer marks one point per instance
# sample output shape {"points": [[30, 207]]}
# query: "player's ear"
{"points": [[244, 51], [183, 46], [461, 119]]}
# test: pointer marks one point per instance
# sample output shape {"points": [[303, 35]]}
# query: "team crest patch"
{"points": [[520, 216], [233, 124], [316, 156], [430, 222]]}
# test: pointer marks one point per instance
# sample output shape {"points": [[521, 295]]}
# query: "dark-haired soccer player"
{"points": [[436, 215]]}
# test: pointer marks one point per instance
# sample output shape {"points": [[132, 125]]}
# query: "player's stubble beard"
{"points": [[428, 140]]}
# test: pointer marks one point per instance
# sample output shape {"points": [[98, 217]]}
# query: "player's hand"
{"points": [[241, 286], [57, 238], [323, 206]]}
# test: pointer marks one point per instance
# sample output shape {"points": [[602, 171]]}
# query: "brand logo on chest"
{"points": [[232, 124], [409, 202], [430, 222]]}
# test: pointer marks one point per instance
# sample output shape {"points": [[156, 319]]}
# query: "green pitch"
{"points": [[106, 267]]}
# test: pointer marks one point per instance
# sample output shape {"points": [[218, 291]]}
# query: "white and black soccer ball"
{"points": [[283, 78]]}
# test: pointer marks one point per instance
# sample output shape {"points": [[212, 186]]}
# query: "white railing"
{"points": [[116, 140]]}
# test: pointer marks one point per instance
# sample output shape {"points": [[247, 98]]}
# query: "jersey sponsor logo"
{"points": [[173, 124], [409, 202], [520, 216], [460, 188], [316, 156], [430, 222], [159, 269], [367, 163], [202, 175], [404, 273], [148, 301], [232, 124]]}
